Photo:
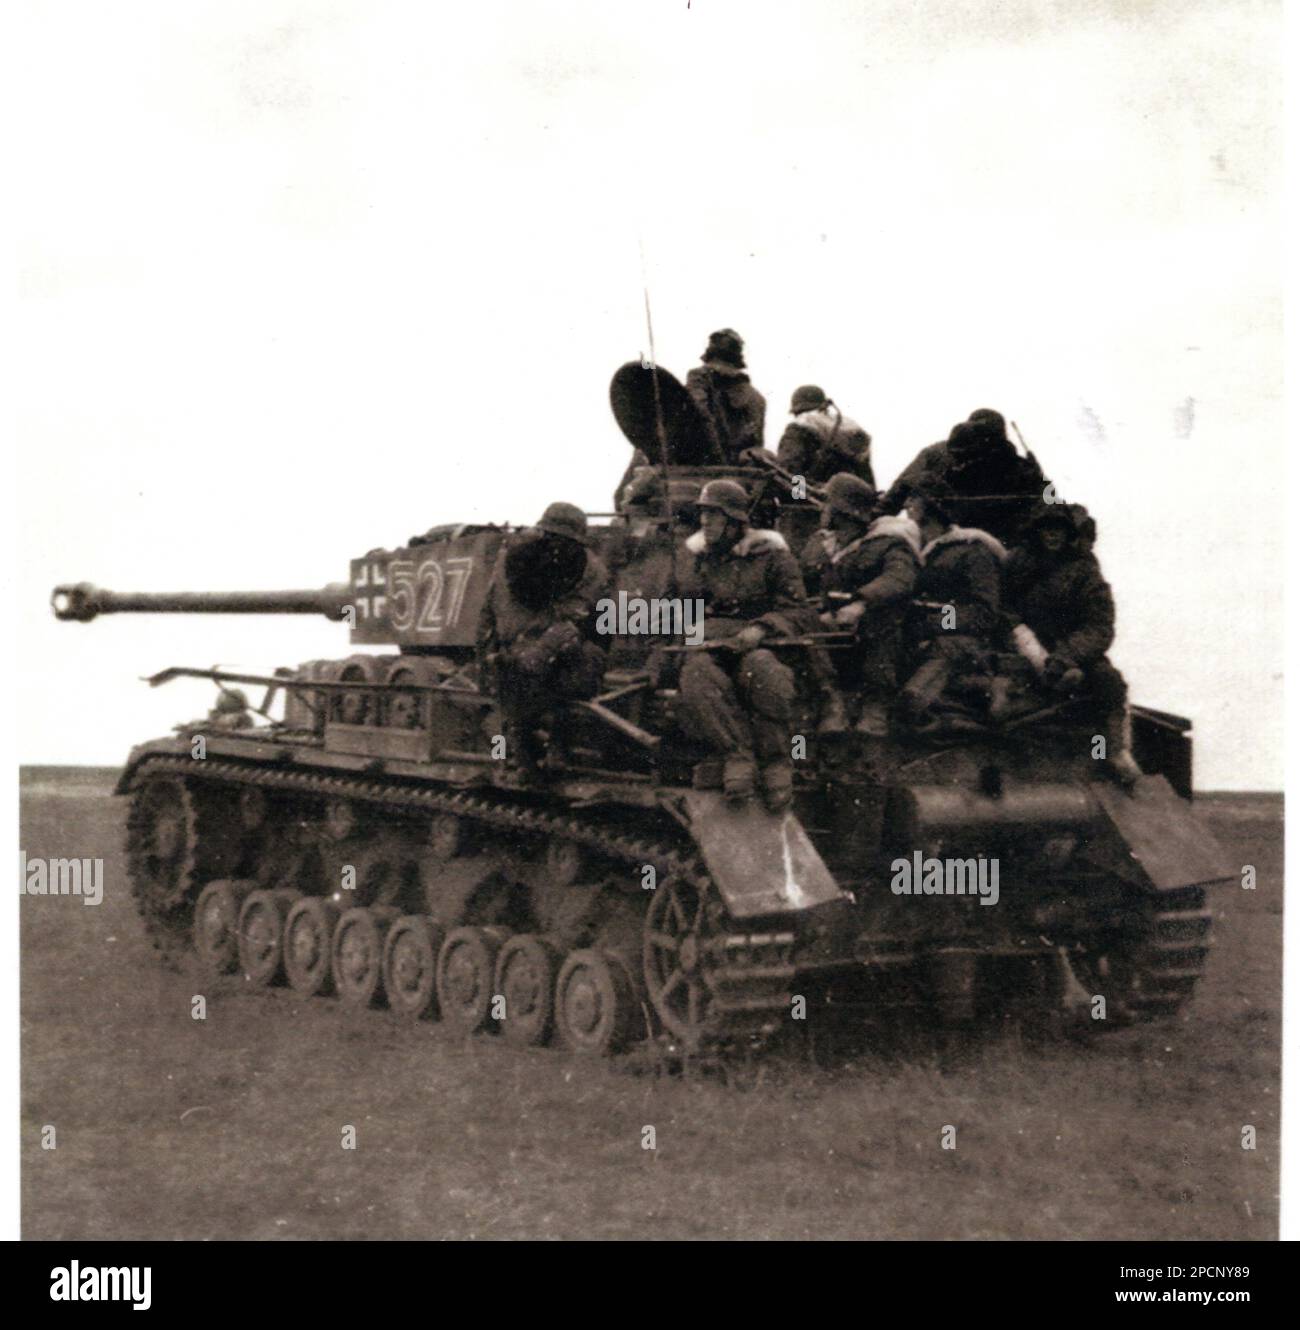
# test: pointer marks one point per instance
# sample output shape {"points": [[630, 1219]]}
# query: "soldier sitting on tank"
{"points": [[820, 441], [736, 695], [957, 600], [538, 645], [994, 488], [865, 567], [733, 410], [1064, 616]]}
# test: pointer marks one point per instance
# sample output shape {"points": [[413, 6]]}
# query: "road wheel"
{"points": [[466, 972], [216, 925], [261, 935], [308, 939], [525, 977], [358, 954], [594, 1004], [411, 966]]}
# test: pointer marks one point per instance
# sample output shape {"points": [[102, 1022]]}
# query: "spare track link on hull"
{"points": [[736, 999]]}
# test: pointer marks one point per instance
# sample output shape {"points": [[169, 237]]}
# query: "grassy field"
{"points": [[168, 1127]]}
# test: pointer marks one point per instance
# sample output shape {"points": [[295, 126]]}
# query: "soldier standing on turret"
{"points": [[734, 411], [865, 566], [537, 641], [739, 698], [820, 441]]}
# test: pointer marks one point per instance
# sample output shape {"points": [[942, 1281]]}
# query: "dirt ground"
{"points": [[232, 1126]]}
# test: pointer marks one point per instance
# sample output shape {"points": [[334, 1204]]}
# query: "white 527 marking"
{"points": [[429, 585]]}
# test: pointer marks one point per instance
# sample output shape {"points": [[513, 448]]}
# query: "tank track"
{"points": [[1148, 964], [748, 975], [1170, 959]]}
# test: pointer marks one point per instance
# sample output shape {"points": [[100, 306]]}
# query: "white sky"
{"points": [[300, 279]]}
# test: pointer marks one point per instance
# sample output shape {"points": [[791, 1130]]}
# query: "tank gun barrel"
{"points": [[83, 602]]}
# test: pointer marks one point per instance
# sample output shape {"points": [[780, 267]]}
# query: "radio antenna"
{"points": [[661, 434]]}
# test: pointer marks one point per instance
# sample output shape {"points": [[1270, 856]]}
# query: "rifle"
{"points": [[815, 493], [832, 640]]}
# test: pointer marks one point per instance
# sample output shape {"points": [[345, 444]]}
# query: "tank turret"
{"points": [[424, 596]]}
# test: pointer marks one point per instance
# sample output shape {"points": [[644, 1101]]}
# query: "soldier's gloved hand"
{"points": [[1054, 667], [1062, 674], [749, 637], [534, 656], [560, 637], [848, 616]]}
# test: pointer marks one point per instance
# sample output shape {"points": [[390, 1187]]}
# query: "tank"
{"points": [[356, 833]]}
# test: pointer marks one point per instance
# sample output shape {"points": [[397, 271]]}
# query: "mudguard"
{"points": [[1164, 837], [763, 863]]}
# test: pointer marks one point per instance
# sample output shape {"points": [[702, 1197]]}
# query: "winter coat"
{"points": [[755, 581], [963, 568], [997, 495], [879, 568], [820, 444], [505, 621], [734, 410], [1066, 600]]}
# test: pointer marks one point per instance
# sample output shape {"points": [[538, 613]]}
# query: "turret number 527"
{"points": [[427, 597]]}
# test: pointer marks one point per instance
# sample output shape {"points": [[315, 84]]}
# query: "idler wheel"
{"points": [[466, 972], [525, 977], [358, 953], [594, 1004], [411, 966], [261, 934], [308, 940], [163, 838], [216, 925]]}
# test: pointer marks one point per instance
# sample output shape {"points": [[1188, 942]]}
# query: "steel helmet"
{"points": [[848, 494], [727, 496], [808, 398], [565, 519]]}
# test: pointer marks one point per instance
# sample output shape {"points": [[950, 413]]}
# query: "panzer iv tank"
{"points": [[357, 833]]}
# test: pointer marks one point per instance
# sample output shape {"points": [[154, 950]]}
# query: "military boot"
{"points": [[738, 775], [1118, 733], [873, 720], [926, 687], [778, 785], [525, 751], [834, 718]]}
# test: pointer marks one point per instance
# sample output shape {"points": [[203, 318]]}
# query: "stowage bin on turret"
{"points": [[363, 829]]}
